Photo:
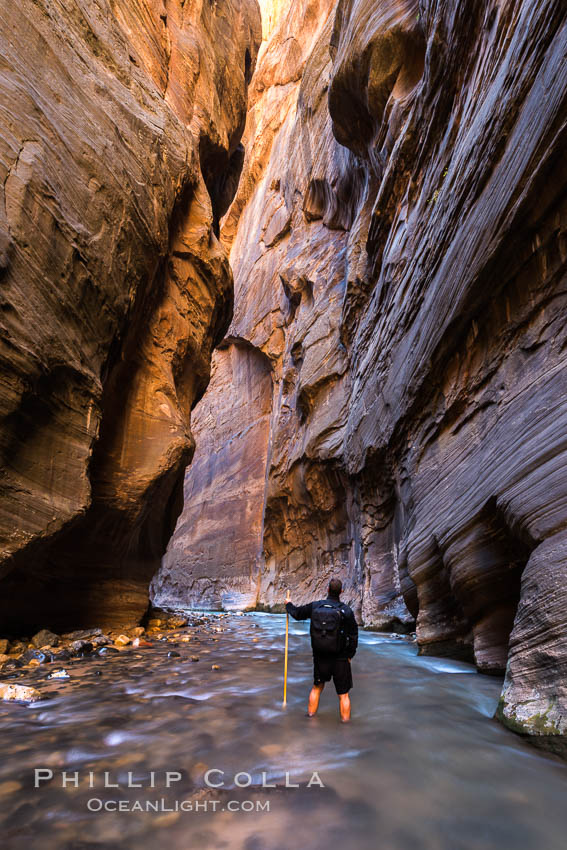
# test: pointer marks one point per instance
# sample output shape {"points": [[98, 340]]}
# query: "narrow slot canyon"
{"points": [[284, 301], [417, 393]]}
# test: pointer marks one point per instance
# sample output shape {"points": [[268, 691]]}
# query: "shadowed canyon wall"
{"points": [[119, 152], [399, 252]]}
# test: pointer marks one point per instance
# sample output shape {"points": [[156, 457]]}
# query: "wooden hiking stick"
{"points": [[285, 659]]}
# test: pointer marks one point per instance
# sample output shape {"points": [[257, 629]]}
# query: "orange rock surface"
{"points": [[119, 149]]}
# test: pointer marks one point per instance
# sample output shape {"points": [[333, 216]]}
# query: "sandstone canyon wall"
{"points": [[399, 251], [215, 557], [119, 152]]}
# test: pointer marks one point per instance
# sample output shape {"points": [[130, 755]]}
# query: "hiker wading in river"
{"points": [[334, 639]]}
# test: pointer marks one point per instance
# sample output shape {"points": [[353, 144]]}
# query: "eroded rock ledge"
{"points": [[399, 251], [119, 152]]}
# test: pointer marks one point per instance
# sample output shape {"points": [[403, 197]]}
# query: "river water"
{"points": [[422, 765]]}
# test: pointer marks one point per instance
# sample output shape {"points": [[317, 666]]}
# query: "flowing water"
{"points": [[422, 765]]}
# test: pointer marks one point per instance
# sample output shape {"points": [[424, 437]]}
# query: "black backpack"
{"points": [[326, 627]]}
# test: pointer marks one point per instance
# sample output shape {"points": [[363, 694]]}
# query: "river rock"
{"points": [[59, 674], [45, 638], [4, 645], [11, 665], [32, 655], [107, 650], [160, 619], [176, 621], [62, 655], [18, 693], [81, 647], [82, 634]]}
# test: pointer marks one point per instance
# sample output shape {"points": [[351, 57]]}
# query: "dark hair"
{"points": [[335, 587]]}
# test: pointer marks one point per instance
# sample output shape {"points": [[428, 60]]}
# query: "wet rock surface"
{"points": [[398, 247], [454, 780], [18, 693], [84, 643]]}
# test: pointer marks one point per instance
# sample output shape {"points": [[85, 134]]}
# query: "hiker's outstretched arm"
{"points": [[299, 612]]}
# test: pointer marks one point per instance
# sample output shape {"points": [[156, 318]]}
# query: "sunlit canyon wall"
{"points": [[119, 152]]}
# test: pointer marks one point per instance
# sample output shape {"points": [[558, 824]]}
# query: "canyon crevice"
{"points": [[398, 246]]}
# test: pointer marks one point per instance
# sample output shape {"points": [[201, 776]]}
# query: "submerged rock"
{"points": [[59, 674], [107, 650]]}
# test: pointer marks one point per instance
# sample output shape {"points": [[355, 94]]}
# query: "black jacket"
{"points": [[303, 612]]}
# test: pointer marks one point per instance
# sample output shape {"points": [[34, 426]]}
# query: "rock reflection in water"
{"points": [[421, 767]]}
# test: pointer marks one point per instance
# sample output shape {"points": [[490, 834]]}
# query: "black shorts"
{"points": [[326, 667]]}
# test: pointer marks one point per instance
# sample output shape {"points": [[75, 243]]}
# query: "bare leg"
{"points": [[344, 705], [313, 705]]}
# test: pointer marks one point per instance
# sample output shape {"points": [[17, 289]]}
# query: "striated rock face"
{"points": [[215, 557], [399, 251], [119, 152], [288, 294]]}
